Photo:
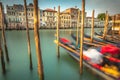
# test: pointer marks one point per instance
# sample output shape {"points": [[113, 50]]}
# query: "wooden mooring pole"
{"points": [[78, 23], [37, 41], [119, 28], [28, 36], [92, 27], [82, 36], [3, 33], [58, 25], [113, 26], [106, 25], [2, 59]]}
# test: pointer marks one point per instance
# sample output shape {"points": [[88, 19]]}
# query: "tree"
{"points": [[101, 16]]}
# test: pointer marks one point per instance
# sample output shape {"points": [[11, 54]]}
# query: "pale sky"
{"points": [[100, 6]]}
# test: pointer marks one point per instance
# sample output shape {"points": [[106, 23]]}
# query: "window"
{"points": [[50, 13], [19, 14]]}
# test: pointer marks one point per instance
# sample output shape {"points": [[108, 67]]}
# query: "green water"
{"points": [[65, 68]]}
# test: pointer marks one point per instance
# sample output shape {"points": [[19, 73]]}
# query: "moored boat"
{"points": [[104, 72], [109, 38], [111, 47]]}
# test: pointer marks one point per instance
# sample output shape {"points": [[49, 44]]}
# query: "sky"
{"points": [[100, 6]]}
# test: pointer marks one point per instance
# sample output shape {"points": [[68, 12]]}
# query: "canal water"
{"points": [[65, 68]]}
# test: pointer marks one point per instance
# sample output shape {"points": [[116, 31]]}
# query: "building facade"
{"points": [[97, 22], [41, 24], [49, 18], [116, 22], [69, 17], [30, 15], [16, 16], [65, 20]]}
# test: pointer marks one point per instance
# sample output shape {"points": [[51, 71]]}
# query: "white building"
{"points": [[88, 22]]}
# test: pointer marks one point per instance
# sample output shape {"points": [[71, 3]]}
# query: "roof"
{"points": [[70, 9], [49, 10], [64, 13], [117, 14]]}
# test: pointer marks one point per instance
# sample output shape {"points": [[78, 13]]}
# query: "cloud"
{"points": [[112, 6]]}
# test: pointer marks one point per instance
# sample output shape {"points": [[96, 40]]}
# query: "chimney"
{"points": [[76, 7], [54, 8]]}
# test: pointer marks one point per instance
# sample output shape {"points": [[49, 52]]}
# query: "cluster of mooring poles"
{"points": [[81, 36], [113, 28], [106, 31], [36, 36], [37, 39]]}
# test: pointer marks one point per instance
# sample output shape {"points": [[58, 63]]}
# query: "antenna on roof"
{"points": [[76, 7], [54, 8]]}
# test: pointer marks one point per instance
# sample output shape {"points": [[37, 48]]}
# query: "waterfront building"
{"points": [[101, 23], [88, 22], [116, 22], [30, 15], [49, 18], [73, 12], [41, 24], [65, 20], [97, 22], [69, 17], [16, 17], [117, 16]]}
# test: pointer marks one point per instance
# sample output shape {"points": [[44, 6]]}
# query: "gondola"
{"points": [[110, 58], [100, 70], [98, 40], [109, 38]]}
